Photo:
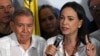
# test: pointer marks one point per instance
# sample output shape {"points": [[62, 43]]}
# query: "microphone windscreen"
{"points": [[58, 40]]}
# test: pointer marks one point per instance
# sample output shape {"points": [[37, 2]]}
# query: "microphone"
{"points": [[57, 41]]}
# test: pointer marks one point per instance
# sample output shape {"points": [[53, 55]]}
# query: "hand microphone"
{"points": [[57, 41]]}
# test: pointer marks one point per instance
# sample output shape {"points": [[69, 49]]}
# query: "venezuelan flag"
{"points": [[33, 6]]}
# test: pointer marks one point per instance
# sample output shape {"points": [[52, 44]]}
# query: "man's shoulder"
{"points": [[5, 42], [39, 38], [95, 33], [5, 39], [94, 40]]}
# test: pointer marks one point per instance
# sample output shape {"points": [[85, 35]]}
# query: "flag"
{"points": [[33, 6]]}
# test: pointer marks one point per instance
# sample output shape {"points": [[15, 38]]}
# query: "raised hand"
{"points": [[51, 50], [90, 48]]}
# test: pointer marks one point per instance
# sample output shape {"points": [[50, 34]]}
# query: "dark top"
{"points": [[2, 34], [92, 27]]}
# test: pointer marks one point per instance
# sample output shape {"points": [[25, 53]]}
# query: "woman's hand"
{"points": [[90, 48], [51, 50]]}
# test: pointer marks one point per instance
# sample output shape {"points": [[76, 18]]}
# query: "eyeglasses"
{"points": [[95, 8]]}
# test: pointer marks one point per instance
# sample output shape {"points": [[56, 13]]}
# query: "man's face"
{"points": [[6, 10], [23, 27], [95, 10]]}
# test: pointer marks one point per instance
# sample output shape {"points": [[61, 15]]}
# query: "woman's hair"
{"points": [[82, 32], [53, 10], [89, 2]]}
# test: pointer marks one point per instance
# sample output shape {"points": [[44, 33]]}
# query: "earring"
{"points": [[79, 26]]}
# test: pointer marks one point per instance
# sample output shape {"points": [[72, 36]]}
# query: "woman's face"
{"points": [[69, 22], [48, 21]]}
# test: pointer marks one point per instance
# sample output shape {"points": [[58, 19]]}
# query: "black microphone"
{"points": [[57, 41]]}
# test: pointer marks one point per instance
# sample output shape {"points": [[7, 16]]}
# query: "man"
{"points": [[95, 10], [21, 42], [6, 10]]}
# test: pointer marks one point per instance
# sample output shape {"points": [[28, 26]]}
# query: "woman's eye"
{"points": [[70, 18]]}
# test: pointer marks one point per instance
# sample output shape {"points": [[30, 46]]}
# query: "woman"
{"points": [[48, 19], [74, 30]]}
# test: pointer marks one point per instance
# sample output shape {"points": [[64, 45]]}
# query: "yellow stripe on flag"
{"points": [[33, 6]]}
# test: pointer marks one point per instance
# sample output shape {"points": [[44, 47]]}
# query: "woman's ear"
{"points": [[80, 23]]}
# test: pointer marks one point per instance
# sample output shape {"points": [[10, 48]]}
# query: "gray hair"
{"points": [[22, 11]]}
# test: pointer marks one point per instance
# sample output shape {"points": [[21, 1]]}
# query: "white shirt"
{"points": [[9, 46], [60, 51], [81, 48]]}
